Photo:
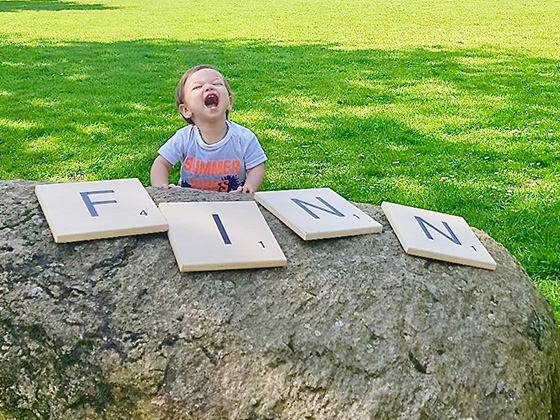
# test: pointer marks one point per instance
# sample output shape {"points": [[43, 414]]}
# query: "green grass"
{"points": [[449, 106]]}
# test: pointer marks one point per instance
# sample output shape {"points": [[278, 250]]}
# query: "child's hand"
{"points": [[246, 189], [159, 174], [254, 180]]}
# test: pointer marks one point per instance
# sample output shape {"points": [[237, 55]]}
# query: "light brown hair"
{"points": [[180, 90]]}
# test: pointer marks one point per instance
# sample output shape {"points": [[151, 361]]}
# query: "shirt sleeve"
{"points": [[254, 154], [171, 151]]}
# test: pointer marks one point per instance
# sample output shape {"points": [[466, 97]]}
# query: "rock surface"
{"points": [[351, 328]]}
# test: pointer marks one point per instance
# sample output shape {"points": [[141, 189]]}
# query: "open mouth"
{"points": [[211, 101]]}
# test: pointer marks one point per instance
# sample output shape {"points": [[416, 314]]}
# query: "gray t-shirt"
{"points": [[221, 166]]}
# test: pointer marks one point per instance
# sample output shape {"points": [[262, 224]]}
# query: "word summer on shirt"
{"points": [[226, 168], [221, 166]]}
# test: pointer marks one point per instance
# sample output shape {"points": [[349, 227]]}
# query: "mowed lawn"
{"points": [[451, 106]]}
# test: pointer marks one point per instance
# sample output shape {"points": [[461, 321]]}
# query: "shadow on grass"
{"points": [[473, 132], [50, 5]]}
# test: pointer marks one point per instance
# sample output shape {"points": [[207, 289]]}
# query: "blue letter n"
{"points": [[330, 208], [452, 237]]}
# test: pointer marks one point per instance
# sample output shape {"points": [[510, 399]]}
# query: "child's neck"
{"points": [[212, 132]]}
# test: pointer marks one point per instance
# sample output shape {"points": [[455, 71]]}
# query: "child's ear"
{"points": [[230, 106], [185, 112]]}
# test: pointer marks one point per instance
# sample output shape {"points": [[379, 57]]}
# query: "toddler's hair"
{"points": [[179, 91]]}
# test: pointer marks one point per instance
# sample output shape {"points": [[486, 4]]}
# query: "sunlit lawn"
{"points": [[449, 106]]}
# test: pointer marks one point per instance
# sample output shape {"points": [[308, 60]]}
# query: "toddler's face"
{"points": [[206, 97]]}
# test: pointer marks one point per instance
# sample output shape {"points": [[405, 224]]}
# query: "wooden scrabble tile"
{"points": [[220, 235], [435, 235], [317, 213], [80, 211]]}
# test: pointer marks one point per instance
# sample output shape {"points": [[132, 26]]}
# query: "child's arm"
{"points": [[254, 179], [159, 174]]}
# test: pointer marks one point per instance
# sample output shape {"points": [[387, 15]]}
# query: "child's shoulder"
{"points": [[183, 134], [240, 130], [186, 130]]}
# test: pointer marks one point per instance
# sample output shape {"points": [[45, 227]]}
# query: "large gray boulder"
{"points": [[351, 328]]}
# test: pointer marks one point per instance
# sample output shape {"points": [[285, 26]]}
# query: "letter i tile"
{"points": [[209, 236]]}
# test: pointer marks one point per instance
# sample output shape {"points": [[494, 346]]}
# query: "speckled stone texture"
{"points": [[351, 328]]}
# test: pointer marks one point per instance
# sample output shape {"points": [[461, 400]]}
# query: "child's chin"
{"points": [[216, 111], [211, 116]]}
